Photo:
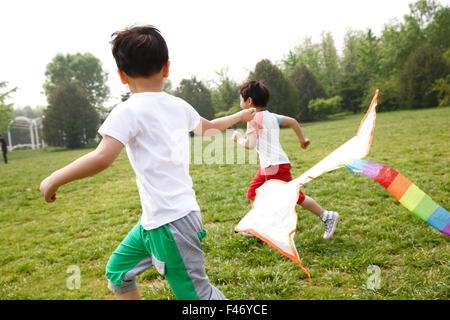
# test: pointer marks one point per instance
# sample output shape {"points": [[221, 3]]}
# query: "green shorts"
{"points": [[173, 249]]}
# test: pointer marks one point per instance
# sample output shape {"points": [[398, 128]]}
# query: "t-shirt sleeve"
{"points": [[279, 118], [119, 124], [193, 117]]}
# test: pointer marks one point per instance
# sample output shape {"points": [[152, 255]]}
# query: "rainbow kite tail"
{"points": [[406, 192]]}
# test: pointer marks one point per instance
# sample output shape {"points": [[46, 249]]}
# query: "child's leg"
{"points": [[129, 260], [311, 205], [129, 295], [177, 246], [329, 218]]}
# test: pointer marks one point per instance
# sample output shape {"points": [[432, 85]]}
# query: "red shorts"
{"points": [[280, 172]]}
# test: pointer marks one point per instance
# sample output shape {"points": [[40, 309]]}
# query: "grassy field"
{"points": [[40, 242]]}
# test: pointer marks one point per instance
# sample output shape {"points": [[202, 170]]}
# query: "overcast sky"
{"points": [[203, 36]]}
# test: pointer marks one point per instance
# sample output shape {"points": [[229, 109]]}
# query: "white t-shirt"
{"points": [[154, 127], [266, 126]]}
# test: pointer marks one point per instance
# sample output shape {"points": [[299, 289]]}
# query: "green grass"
{"points": [[40, 241]]}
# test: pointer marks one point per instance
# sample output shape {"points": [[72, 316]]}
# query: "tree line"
{"points": [[409, 62]]}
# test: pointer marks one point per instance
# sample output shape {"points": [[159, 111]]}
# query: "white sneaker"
{"points": [[331, 219]]}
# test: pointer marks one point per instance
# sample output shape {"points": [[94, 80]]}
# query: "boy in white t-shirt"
{"points": [[263, 135], [154, 127]]}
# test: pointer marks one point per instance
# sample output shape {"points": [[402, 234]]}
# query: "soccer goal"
{"points": [[25, 133]]}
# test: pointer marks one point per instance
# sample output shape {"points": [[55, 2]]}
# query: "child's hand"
{"points": [[248, 114], [48, 190], [236, 135], [305, 143]]}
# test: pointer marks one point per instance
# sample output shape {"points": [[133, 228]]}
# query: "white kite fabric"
{"points": [[273, 218]]}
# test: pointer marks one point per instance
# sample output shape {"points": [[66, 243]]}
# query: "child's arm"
{"points": [[291, 122], [247, 143], [93, 162], [209, 128]]}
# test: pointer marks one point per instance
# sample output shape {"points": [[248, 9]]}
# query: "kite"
{"points": [[406, 192], [273, 218]]}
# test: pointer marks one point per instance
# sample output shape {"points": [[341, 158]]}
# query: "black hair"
{"points": [[139, 50], [257, 90]]}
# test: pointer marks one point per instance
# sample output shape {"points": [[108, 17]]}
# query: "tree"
{"points": [[290, 62], [320, 58], [368, 67], [85, 70], [225, 95], [437, 31], [329, 64], [424, 66], [442, 85], [282, 92], [351, 85], [369, 57], [167, 86], [388, 99], [427, 23], [442, 89], [308, 88], [423, 12], [70, 120], [6, 109], [198, 95], [307, 53], [29, 112]]}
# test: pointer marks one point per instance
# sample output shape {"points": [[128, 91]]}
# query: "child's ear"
{"points": [[166, 68], [123, 76]]}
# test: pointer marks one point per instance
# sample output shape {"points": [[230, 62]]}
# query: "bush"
{"points": [[442, 88], [320, 109], [235, 108], [442, 85]]}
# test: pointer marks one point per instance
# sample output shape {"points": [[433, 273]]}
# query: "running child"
{"points": [[154, 128], [263, 135]]}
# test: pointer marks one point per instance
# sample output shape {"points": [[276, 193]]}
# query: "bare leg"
{"points": [[311, 205], [129, 295]]}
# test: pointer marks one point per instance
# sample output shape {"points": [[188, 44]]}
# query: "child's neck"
{"points": [[151, 84], [259, 108]]}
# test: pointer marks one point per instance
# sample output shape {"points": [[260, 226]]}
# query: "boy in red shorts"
{"points": [[263, 134]]}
